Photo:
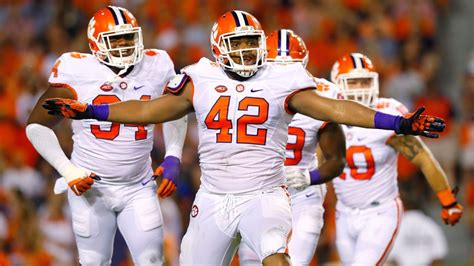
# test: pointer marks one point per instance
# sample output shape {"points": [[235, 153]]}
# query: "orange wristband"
{"points": [[446, 197]]}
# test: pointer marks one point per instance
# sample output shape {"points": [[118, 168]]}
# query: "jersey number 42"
{"points": [[218, 119]]}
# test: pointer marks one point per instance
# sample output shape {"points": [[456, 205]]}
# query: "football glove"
{"points": [[169, 170], [68, 108], [79, 179], [452, 211], [296, 177], [417, 124], [76, 110]]}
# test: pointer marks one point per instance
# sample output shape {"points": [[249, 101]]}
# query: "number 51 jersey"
{"points": [[370, 175], [243, 124], [118, 153]]}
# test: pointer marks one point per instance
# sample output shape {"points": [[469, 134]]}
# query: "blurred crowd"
{"points": [[400, 36]]}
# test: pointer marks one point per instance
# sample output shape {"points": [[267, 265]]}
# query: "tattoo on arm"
{"points": [[409, 146]]}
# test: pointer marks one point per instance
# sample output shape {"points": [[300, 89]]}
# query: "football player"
{"points": [[368, 208], [306, 136], [110, 166], [243, 107]]}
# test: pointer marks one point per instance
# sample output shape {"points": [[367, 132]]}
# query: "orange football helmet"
{"points": [[232, 25], [110, 23], [284, 46], [353, 68]]}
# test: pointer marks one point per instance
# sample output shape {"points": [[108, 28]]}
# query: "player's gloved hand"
{"points": [[76, 110], [169, 170], [417, 124], [296, 177], [79, 179], [67, 107], [452, 210]]}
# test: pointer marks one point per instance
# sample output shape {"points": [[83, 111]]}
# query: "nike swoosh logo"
{"points": [[253, 90], [139, 87], [309, 194]]}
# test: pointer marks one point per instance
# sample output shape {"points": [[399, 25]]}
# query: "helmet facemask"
{"points": [[110, 53], [228, 49], [360, 86]]}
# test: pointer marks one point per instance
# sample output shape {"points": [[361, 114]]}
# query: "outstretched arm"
{"points": [[309, 103], [416, 151], [165, 108]]}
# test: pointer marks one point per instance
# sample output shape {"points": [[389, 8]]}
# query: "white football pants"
{"points": [[134, 209], [365, 236], [308, 220], [218, 222]]}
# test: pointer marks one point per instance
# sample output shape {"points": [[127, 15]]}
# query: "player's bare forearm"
{"points": [[418, 153], [39, 115], [165, 108], [309, 103], [332, 149]]}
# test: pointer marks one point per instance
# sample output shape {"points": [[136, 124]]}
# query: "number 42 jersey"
{"points": [[243, 125], [118, 153], [370, 175]]}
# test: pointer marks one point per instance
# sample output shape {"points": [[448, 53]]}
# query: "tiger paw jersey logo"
{"points": [[194, 211]]}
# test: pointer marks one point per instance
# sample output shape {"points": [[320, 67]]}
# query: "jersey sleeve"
{"points": [[326, 88], [301, 80], [176, 84], [161, 61], [63, 74], [397, 107], [170, 71]]}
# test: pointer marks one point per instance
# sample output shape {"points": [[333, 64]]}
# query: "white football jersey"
{"points": [[243, 125], [118, 153], [303, 134], [370, 175]]}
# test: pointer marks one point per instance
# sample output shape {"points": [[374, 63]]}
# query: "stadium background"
{"points": [[423, 49]]}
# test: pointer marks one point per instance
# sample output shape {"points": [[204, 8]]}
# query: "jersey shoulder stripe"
{"points": [[176, 84]]}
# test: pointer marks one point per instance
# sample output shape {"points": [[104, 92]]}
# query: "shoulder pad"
{"points": [[177, 83]]}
